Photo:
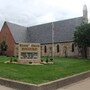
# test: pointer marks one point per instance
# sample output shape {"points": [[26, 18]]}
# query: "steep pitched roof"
{"points": [[18, 32], [63, 31]]}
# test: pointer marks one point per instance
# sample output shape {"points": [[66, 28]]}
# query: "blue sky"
{"points": [[33, 12]]}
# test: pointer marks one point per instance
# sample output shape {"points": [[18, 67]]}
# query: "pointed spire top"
{"points": [[85, 7], [85, 13]]}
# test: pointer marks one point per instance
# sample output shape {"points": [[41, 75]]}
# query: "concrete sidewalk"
{"points": [[81, 85], [68, 83], [5, 88]]}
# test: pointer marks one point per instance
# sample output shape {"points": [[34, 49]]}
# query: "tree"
{"points": [[82, 38], [3, 47]]}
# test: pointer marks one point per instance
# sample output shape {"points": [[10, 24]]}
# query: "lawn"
{"points": [[37, 74]]}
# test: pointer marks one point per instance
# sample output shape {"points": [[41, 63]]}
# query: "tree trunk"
{"points": [[84, 52]]}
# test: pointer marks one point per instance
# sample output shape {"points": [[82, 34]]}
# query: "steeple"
{"points": [[85, 14]]}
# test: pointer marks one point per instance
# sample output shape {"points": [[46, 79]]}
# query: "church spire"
{"points": [[85, 14]]}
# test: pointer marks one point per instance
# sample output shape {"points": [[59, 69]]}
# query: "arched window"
{"points": [[45, 49], [72, 47], [57, 48]]}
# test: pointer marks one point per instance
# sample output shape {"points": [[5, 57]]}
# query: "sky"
{"points": [[34, 12]]}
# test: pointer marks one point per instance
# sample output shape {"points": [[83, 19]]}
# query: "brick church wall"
{"points": [[5, 35]]}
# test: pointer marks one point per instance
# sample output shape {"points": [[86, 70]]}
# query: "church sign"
{"points": [[29, 52]]}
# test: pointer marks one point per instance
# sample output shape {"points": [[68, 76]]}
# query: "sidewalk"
{"points": [[81, 85], [79, 81], [5, 88]]}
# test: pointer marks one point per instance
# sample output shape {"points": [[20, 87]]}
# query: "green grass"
{"points": [[37, 74]]}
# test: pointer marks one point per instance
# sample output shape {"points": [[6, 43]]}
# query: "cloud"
{"points": [[32, 12], [46, 18]]}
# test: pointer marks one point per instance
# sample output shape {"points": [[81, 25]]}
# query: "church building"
{"points": [[63, 36]]}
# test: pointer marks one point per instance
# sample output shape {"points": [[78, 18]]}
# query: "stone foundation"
{"points": [[29, 61]]}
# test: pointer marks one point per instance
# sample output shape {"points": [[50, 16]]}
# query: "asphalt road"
{"points": [[81, 85]]}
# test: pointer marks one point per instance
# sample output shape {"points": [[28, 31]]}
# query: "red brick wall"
{"points": [[6, 35]]}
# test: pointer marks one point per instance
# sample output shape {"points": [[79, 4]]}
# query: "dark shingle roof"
{"points": [[63, 31], [42, 33], [18, 32]]}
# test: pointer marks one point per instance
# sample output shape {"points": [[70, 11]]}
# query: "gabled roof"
{"points": [[18, 32], [63, 31]]}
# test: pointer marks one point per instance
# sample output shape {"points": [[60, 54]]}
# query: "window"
{"points": [[72, 47], [57, 48], [45, 49]]}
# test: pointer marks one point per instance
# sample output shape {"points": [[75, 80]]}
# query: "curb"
{"points": [[53, 85]]}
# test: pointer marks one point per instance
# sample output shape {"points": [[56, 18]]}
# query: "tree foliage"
{"points": [[82, 37], [3, 47]]}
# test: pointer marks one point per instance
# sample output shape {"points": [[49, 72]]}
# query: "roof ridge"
{"points": [[55, 21], [14, 24]]}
